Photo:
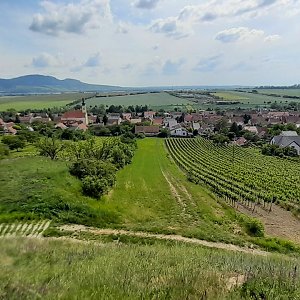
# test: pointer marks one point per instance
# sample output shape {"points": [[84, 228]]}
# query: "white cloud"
{"points": [[171, 27], [146, 4], [272, 38], [70, 18], [243, 34]]}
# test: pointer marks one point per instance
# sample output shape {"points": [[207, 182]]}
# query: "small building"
{"points": [[287, 141], [241, 141], [179, 131], [149, 114], [147, 130]]}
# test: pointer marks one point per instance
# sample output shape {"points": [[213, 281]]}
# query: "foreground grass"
{"points": [[47, 269]]}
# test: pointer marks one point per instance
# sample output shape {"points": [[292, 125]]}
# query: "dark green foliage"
{"points": [[164, 133], [4, 150], [95, 186], [96, 164], [50, 147], [93, 167], [220, 139], [275, 150], [254, 227], [14, 142]]}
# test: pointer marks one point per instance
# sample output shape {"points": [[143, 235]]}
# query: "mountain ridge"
{"points": [[49, 84]]}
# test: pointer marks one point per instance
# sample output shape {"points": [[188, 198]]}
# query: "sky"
{"points": [[153, 42]]}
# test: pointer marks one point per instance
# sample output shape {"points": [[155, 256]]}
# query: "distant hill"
{"points": [[49, 84]]}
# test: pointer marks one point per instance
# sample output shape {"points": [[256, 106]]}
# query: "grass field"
{"points": [[155, 100], [38, 101], [288, 92], [251, 99], [47, 269]]}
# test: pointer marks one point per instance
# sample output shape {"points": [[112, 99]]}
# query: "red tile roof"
{"points": [[75, 114]]}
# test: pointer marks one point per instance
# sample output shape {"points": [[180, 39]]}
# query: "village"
{"points": [[242, 127]]}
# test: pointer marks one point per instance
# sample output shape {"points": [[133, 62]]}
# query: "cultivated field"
{"points": [[252, 99], [38, 101], [239, 175], [153, 100]]}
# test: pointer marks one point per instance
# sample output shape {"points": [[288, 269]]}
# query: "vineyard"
{"points": [[24, 229], [237, 174]]}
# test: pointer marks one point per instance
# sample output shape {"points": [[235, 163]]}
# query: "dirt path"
{"points": [[278, 223], [179, 238], [174, 192]]}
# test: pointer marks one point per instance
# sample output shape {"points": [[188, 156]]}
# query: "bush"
{"points": [[92, 167], [255, 228], [13, 142], [94, 186]]}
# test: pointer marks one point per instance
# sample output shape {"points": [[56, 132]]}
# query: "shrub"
{"points": [[94, 186], [255, 228], [92, 167]]}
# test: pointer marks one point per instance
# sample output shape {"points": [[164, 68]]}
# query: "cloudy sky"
{"points": [[153, 42]]}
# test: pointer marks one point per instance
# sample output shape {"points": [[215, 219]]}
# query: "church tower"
{"points": [[84, 110]]}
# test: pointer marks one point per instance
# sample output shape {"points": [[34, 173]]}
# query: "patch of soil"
{"points": [[278, 223]]}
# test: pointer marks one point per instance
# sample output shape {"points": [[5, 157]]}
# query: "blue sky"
{"points": [[153, 42]]}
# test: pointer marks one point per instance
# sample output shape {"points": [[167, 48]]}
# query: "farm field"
{"points": [[281, 92], [153, 100], [237, 174], [136, 269], [38, 101], [251, 99]]}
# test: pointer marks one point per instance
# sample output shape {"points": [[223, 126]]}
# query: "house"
{"points": [[286, 140], [170, 123], [135, 120], [158, 121], [289, 133], [113, 119], [147, 130], [126, 116], [61, 126], [149, 114], [252, 129], [240, 141], [196, 126], [179, 131], [26, 119]]}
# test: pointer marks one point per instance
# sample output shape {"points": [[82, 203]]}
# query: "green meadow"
{"points": [[153, 100], [38, 101]]}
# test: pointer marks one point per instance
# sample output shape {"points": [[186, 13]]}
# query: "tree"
{"points": [[220, 139], [49, 147], [105, 119], [14, 142]]}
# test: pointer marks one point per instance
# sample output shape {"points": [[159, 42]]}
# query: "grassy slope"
{"points": [[145, 200], [152, 100], [36, 187], [45, 269], [38, 101]]}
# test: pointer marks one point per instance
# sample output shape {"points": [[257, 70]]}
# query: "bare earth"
{"points": [[278, 223], [223, 246]]}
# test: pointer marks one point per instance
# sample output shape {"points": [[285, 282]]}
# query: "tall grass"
{"points": [[34, 269]]}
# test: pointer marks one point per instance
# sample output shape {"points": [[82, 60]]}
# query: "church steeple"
{"points": [[84, 110]]}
